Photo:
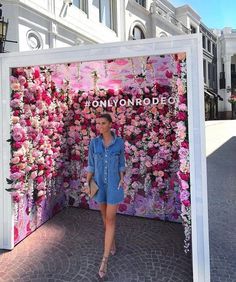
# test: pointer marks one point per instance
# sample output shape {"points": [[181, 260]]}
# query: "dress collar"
{"points": [[112, 142]]}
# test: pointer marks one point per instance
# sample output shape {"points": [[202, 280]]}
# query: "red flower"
{"points": [[110, 92], [182, 99], [185, 144], [39, 179], [14, 168], [16, 113], [28, 122], [17, 145], [140, 110], [169, 74], [182, 116], [122, 207], [186, 203], [36, 74], [16, 233], [127, 200], [184, 176]]}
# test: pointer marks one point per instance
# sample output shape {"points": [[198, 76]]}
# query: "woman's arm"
{"points": [[122, 165], [90, 167]]}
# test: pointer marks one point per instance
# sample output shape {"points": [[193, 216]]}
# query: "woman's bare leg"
{"points": [[103, 209], [110, 228]]}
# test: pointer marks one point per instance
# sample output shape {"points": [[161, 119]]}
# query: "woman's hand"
{"points": [[86, 188], [121, 184]]}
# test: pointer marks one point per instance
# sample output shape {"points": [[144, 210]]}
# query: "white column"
{"points": [[227, 66], [6, 206]]}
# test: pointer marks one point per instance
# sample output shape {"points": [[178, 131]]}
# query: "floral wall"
{"points": [[54, 111]]}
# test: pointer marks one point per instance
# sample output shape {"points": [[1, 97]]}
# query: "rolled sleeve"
{"points": [[122, 167], [90, 167]]}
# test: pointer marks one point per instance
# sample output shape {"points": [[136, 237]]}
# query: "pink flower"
{"points": [[15, 160], [39, 179], [18, 134], [186, 203], [184, 185], [16, 175], [33, 175], [15, 86], [182, 107], [184, 195], [15, 197], [15, 103]]}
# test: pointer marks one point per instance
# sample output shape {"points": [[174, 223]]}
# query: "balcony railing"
{"points": [[170, 18]]}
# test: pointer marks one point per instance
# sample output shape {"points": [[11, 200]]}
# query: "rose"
{"points": [[184, 195], [186, 203], [39, 179], [15, 175], [18, 136], [15, 86], [15, 197], [15, 160], [182, 116]]}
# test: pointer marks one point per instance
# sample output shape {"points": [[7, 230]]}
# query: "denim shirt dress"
{"points": [[106, 163]]}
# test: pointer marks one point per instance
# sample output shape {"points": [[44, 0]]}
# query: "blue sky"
{"points": [[213, 13]]}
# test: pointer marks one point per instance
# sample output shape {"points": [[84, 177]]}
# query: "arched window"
{"points": [[137, 33]]}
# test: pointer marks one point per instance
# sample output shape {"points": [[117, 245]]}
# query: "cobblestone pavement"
{"points": [[69, 248], [221, 173]]}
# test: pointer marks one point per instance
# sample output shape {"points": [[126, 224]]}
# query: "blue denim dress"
{"points": [[106, 163]]}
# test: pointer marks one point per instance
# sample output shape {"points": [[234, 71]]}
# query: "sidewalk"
{"points": [[69, 248], [221, 173]]}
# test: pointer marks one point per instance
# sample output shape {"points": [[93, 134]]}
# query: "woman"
{"points": [[106, 164]]}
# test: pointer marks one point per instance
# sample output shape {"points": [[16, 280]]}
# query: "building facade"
{"points": [[212, 98], [61, 23], [226, 65]]}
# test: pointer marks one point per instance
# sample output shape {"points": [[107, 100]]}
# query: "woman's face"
{"points": [[103, 125]]}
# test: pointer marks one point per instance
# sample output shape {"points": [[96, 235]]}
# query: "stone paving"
{"points": [[69, 248], [221, 173]]}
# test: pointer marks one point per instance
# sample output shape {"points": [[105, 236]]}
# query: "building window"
{"points": [[137, 33], [214, 49], [141, 2], [204, 70], [209, 45], [81, 4], [233, 68], [210, 77], [193, 29], [107, 13], [204, 41], [214, 76]]}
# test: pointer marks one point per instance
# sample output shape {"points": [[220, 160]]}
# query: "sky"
{"points": [[213, 13]]}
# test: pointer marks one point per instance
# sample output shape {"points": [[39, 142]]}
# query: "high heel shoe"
{"points": [[103, 267]]}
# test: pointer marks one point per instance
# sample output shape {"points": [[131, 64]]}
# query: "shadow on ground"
{"points": [[221, 173]]}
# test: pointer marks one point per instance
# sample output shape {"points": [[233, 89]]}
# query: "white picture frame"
{"points": [[192, 46]]}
